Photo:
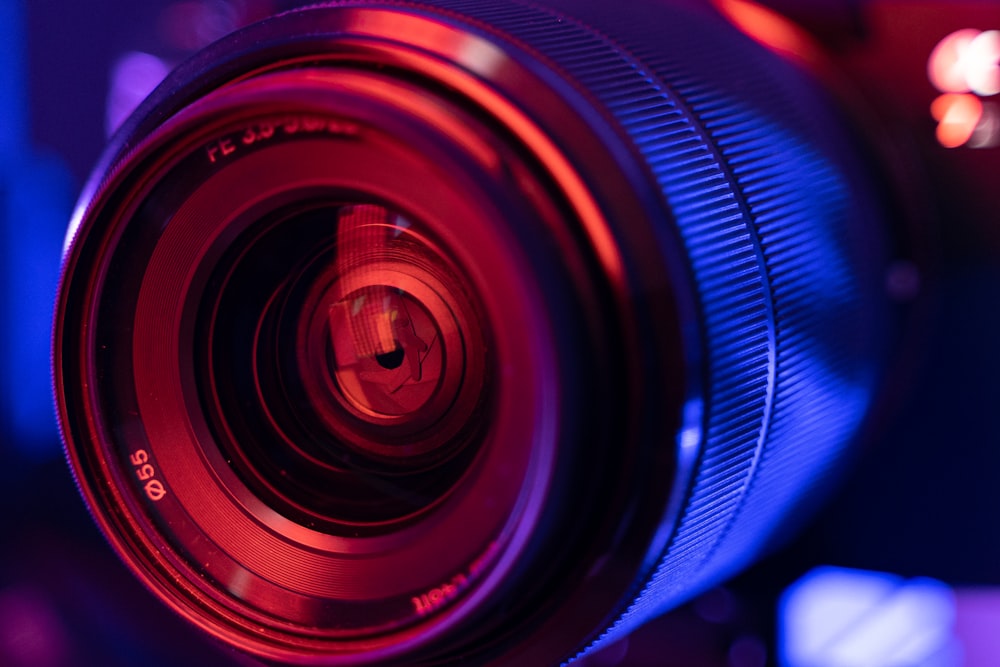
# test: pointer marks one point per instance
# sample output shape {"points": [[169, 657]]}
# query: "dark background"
{"points": [[923, 499]]}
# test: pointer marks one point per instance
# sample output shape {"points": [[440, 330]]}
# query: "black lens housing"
{"points": [[649, 259]]}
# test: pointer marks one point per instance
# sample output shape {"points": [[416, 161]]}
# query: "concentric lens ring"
{"points": [[335, 404]]}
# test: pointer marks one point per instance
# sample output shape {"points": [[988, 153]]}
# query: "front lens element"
{"points": [[345, 363]]}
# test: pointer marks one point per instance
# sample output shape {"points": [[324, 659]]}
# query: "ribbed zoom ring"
{"points": [[747, 160]]}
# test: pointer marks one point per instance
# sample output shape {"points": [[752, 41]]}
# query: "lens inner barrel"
{"points": [[345, 364]]}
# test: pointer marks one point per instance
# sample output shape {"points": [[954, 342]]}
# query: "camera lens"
{"points": [[466, 331]]}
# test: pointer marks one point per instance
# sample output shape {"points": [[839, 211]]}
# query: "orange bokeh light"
{"points": [[958, 116]]}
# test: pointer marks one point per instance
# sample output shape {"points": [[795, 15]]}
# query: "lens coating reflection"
{"points": [[345, 365]]}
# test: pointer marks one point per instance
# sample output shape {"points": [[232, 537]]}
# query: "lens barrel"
{"points": [[414, 333]]}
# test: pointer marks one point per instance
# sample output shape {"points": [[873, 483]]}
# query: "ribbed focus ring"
{"points": [[726, 261], [764, 217]]}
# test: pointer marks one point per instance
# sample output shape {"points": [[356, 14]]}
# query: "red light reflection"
{"points": [[770, 29]]}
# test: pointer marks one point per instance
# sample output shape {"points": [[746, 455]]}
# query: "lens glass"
{"points": [[343, 365]]}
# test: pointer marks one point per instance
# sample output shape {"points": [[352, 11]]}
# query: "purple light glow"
{"points": [[31, 634], [133, 76]]}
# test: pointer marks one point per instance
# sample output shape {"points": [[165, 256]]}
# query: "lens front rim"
{"points": [[193, 459], [603, 188]]}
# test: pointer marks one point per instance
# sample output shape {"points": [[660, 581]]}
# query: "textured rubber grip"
{"points": [[747, 165]]}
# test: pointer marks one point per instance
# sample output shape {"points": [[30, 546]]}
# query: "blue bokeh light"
{"points": [[836, 617], [35, 200]]}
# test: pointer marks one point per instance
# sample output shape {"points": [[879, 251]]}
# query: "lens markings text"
{"points": [[145, 472], [437, 597], [266, 130]]}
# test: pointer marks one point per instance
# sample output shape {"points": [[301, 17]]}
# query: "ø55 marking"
{"points": [[145, 472]]}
